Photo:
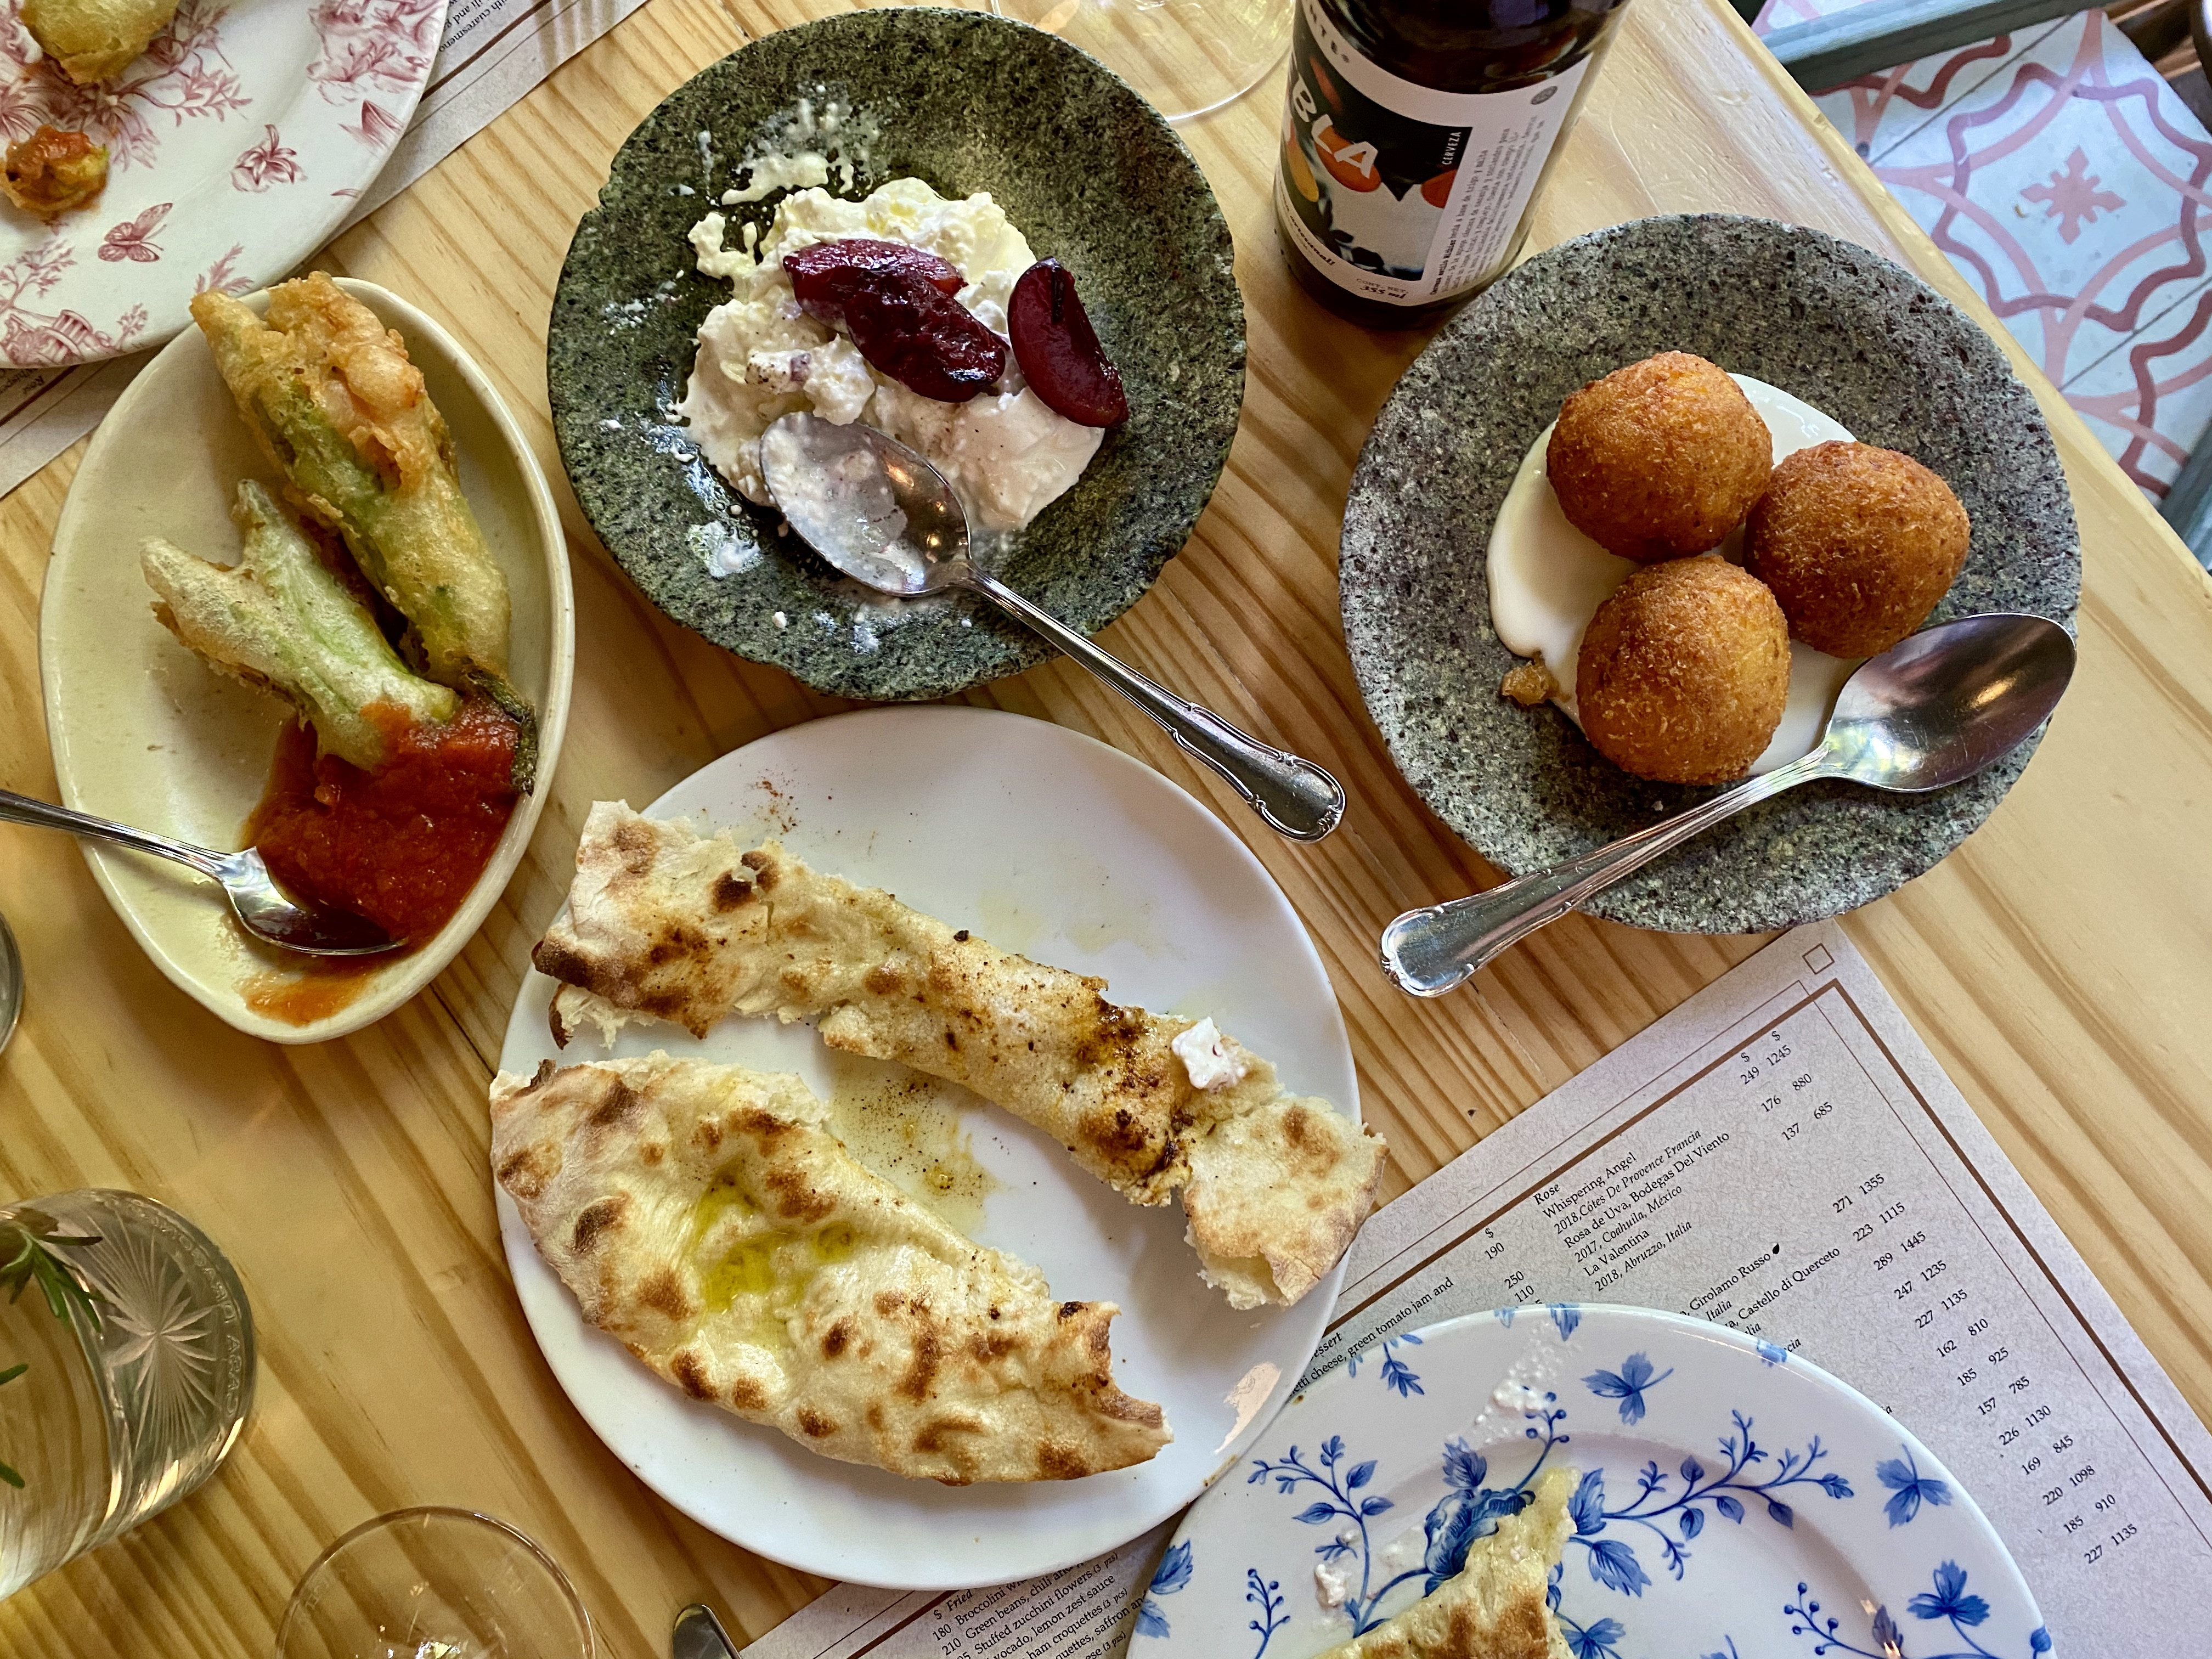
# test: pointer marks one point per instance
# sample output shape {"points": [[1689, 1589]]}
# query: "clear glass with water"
{"points": [[132, 1399]]}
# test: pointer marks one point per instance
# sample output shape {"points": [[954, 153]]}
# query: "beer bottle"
{"points": [[1415, 135]]}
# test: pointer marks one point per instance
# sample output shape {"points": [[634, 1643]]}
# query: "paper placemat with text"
{"points": [[1782, 1155]]}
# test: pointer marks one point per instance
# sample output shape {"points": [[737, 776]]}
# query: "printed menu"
{"points": [[1784, 1156]]}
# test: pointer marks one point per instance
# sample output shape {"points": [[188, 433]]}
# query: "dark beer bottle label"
{"points": [[1396, 191]]}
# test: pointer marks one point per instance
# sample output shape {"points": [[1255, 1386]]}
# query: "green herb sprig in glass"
{"points": [[27, 1258]]}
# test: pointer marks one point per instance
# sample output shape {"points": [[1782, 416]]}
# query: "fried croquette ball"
{"points": [[1858, 544], [1685, 671], [1660, 460]]}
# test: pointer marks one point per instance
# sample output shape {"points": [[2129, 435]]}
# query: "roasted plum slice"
{"points": [[921, 335], [1059, 351], [819, 274]]}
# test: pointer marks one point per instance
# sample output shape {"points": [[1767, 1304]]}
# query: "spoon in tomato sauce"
{"points": [[263, 907]]}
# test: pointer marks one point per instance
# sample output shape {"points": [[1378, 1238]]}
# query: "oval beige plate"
{"points": [[144, 732]]}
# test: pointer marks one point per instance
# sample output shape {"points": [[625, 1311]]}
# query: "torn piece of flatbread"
{"points": [[703, 1215], [663, 921], [1494, 1607]]}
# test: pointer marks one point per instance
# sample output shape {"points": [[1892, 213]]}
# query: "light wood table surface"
{"points": [[2060, 964]]}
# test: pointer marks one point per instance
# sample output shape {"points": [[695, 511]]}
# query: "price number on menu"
{"points": [[2117, 1534], [1769, 1051], [2082, 1526], [1906, 1288], [1796, 1126], [2067, 1483], [1867, 1188], [1753, 1062], [1995, 1358]]}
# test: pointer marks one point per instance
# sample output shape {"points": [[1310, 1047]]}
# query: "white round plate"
{"points": [[1734, 1501], [144, 732], [237, 142], [1049, 844]]}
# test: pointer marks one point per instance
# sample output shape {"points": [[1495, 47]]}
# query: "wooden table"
{"points": [[2060, 964]]}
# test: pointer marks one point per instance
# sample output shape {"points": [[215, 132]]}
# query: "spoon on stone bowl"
{"points": [[1927, 713], [262, 908], [885, 517]]}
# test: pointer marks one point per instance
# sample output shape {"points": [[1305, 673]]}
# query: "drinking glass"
{"points": [[435, 1584], [126, 1348], [11, 983], [1185, 56]]}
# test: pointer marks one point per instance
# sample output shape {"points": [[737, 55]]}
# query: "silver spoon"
{"points": [[699, 1635], [262, 906], [1925, 715], [885, 516]]}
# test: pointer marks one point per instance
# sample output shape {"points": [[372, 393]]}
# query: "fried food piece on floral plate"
{"points": [[329, 395], [93, 39], [52, 172]]}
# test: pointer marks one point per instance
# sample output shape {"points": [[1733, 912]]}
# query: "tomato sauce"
{"points": [[401, 845], [327, 985]]}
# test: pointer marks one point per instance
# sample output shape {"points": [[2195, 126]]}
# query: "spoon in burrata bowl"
{"points": [[880, 513], [1927, 713]]}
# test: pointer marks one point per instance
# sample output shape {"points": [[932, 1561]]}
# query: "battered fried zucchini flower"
{"points": [[329, 393], [280, 619]]}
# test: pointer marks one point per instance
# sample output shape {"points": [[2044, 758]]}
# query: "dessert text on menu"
{"points": [[1781, 1155]]}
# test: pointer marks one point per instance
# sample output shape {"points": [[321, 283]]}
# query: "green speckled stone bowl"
{"points": [[965, 101], [1845, 330]]}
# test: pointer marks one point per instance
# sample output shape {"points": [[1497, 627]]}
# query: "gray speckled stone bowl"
{"points": [[1846, 330], [965, 101]]}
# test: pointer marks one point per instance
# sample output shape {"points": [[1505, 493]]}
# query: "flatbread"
{"points": [[703, 1215], [1495, 1606], [664, 922]]}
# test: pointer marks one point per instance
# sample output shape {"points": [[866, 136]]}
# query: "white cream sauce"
{"points": [[1547, 579], [1512, 1396], [1333, 1580], [1529, 1384], [1213, 1061]]}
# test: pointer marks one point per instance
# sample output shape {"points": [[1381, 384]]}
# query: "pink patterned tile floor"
{"points": [[2069, 183]]}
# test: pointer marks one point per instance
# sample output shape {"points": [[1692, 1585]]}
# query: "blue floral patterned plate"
{"points": [[1734, 1502]]}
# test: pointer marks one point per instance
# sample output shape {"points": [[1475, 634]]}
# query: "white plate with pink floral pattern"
{"points": [[237, 142]]}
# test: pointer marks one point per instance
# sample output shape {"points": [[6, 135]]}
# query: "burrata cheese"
{"points": [[1006, 453]]}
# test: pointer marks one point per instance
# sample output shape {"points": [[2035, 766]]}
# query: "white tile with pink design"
{"points": [[2070, 184]]}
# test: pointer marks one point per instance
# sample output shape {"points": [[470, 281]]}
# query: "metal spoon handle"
{"points": [[45, 815], [700, 1635], [1431, 951], [1292, 796]]}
